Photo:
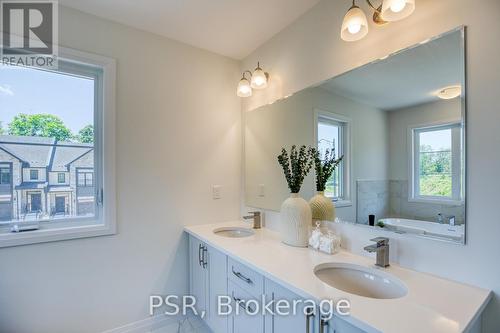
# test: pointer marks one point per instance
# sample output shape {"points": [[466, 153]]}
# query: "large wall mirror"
{"points": [[399, 122]]}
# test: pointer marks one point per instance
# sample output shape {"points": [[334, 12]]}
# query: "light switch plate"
{"points": [[262, 190], [216, 192]]}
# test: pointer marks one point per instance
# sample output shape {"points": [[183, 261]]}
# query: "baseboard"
{"points": [[157, 322]]}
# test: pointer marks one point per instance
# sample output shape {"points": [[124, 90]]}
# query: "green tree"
{"points": [[86, 134], [435, 171], [2, 132], [45, 125]]}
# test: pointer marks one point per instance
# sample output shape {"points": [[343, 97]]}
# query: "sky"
{"points": [[438, 140], [327, 135], [32, 91]]}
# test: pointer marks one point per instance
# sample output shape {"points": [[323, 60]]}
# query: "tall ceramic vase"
{"points": [[322, 208], [295, 221]]}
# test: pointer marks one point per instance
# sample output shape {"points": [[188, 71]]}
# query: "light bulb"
{"points": [[355, 25], [395, 10], [354, 28], [259, 79], [244, 89], [398, 6]]}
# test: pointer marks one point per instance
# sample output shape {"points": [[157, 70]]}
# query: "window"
{"points": [[4, 176], [332, 131], [85, 179], [437, 163], [67, 125], [33, 174], [61, 178]]}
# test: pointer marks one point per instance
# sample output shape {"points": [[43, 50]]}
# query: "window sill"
{"points": [[437, 201], [342, 203], [48, 234]]}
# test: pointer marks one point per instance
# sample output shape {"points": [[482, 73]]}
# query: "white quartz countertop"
{"points": [[432, 304]]}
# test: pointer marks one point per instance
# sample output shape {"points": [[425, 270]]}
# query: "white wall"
{"points": [[399, 122], [178, 132], [310, 50], [291, 121]]}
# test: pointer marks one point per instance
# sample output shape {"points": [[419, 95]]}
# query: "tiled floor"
{"points": [[189, 325]]}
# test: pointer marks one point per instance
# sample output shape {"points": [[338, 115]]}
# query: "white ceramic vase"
{"points": [[322, 208], [295, 221]]}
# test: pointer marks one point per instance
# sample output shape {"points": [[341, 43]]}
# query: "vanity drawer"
{"points": [[245, 277], [243, 318]]}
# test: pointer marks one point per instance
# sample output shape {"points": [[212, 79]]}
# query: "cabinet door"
{"points": [[241, 320], [339, 325], [217, 286], [296, 321], [198, 274]]}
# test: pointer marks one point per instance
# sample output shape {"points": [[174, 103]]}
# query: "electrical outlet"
{"points": [[262, 190], [216, 192]]}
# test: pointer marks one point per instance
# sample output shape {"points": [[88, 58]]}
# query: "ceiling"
{"points": [[406, 79], [232, 28]]}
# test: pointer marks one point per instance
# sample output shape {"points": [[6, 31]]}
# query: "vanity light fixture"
{"points": [[258, 80], [244, 89], [355, 24], [395, 10], [450, 92]]}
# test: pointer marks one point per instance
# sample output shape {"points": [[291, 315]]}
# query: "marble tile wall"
{"points": [[372, 198], [389, 198]]}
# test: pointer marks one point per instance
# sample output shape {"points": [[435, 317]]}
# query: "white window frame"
{"points": [[457, 197], [346, 150], [104, 160]]}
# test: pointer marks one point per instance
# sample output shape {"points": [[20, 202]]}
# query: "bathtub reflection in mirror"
{"points": [[400, 124]]}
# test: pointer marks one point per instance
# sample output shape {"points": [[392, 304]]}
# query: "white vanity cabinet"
{"points": [[214, 274], [337, 325], [302, 321], [241, 320], [208, 280], [198, 273]]}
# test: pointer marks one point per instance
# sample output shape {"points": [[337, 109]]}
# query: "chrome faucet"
{"points": [[451, 219], [256, 216], [381, 247]]}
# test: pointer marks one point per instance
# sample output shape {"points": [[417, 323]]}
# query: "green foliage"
{"points": [[2, 131], [86, 134], [296, 165], [435, 172], [324, 168], [436, 185], [45, 125]]}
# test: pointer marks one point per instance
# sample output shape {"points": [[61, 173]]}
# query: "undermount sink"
{"points": [[361, 281], [234, 232]]}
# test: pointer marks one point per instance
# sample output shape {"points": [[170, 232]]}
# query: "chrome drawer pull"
{"points": [[205, 261], [310, 314], [241, 303], [241, 276], [200, 260], [322, 324]]}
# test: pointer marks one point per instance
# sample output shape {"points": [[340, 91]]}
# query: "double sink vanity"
{"points": [[399, 125], [232, 259]]}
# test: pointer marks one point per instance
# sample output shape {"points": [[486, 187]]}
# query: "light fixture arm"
{"points": [[377, 9], [377, 13], [245, 72]]}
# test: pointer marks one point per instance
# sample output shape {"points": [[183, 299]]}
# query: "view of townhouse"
{"points": [[46, 146]]}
